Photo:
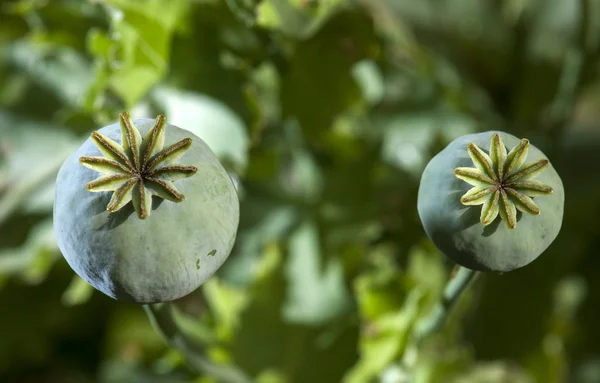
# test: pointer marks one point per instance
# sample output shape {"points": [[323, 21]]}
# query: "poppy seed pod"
{"points": [[491, 202], [144, 211]]}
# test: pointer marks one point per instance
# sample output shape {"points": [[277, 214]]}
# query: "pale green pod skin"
{"points": [[456, 229], [163, 257]]}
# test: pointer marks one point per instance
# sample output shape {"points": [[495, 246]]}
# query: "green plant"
{"points": [[503, 183], [325, 114], [143, 258]]}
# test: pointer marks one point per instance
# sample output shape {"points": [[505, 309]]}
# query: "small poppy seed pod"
{"points": [[144, 211], [491, 202]]}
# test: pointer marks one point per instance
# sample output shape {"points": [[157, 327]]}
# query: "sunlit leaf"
{"points": [[298, 18], [142, 33], [78, 292], [314, 296], [226, 304], [210, 120], [384, 339], [33, 260], [62, 70]]}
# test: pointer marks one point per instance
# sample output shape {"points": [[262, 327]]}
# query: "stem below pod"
{"points": [[454, 288], [163, 319]]}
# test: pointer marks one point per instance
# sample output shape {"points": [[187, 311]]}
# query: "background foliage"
{"points": [[325, 112]]}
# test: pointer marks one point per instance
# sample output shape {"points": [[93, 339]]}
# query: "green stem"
{"points": [[163, 319], [454, 288], [576, 59]]}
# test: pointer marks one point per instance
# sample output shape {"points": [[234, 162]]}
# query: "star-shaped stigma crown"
{"points": [[502, 182], [139, 168]]}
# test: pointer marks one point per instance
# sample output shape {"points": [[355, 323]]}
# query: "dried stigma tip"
{"points": [[138, 169], [502, 181]]}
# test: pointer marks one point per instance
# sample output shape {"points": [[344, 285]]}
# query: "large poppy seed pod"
{"points": [[121, 219], [491, 202]]}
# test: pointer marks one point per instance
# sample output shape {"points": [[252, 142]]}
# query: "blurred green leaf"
{"points": [[437, 362], [302, 178], [555, 28], [272, 225], [23, 7], [384, 339], [426, 270], [78, 292], [369, 79], [169, 362], [495, 372], [142, 32], [131, 339], [316, 294], [264, 92], [319, 84], [118, 372], [325, 112], [33, 154], [297, 18], [62, 70], [226, 303], [33, 260], [382, 291], [99, 44], [408, 137], [271, 376], [209, 119], [588, 371]]}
